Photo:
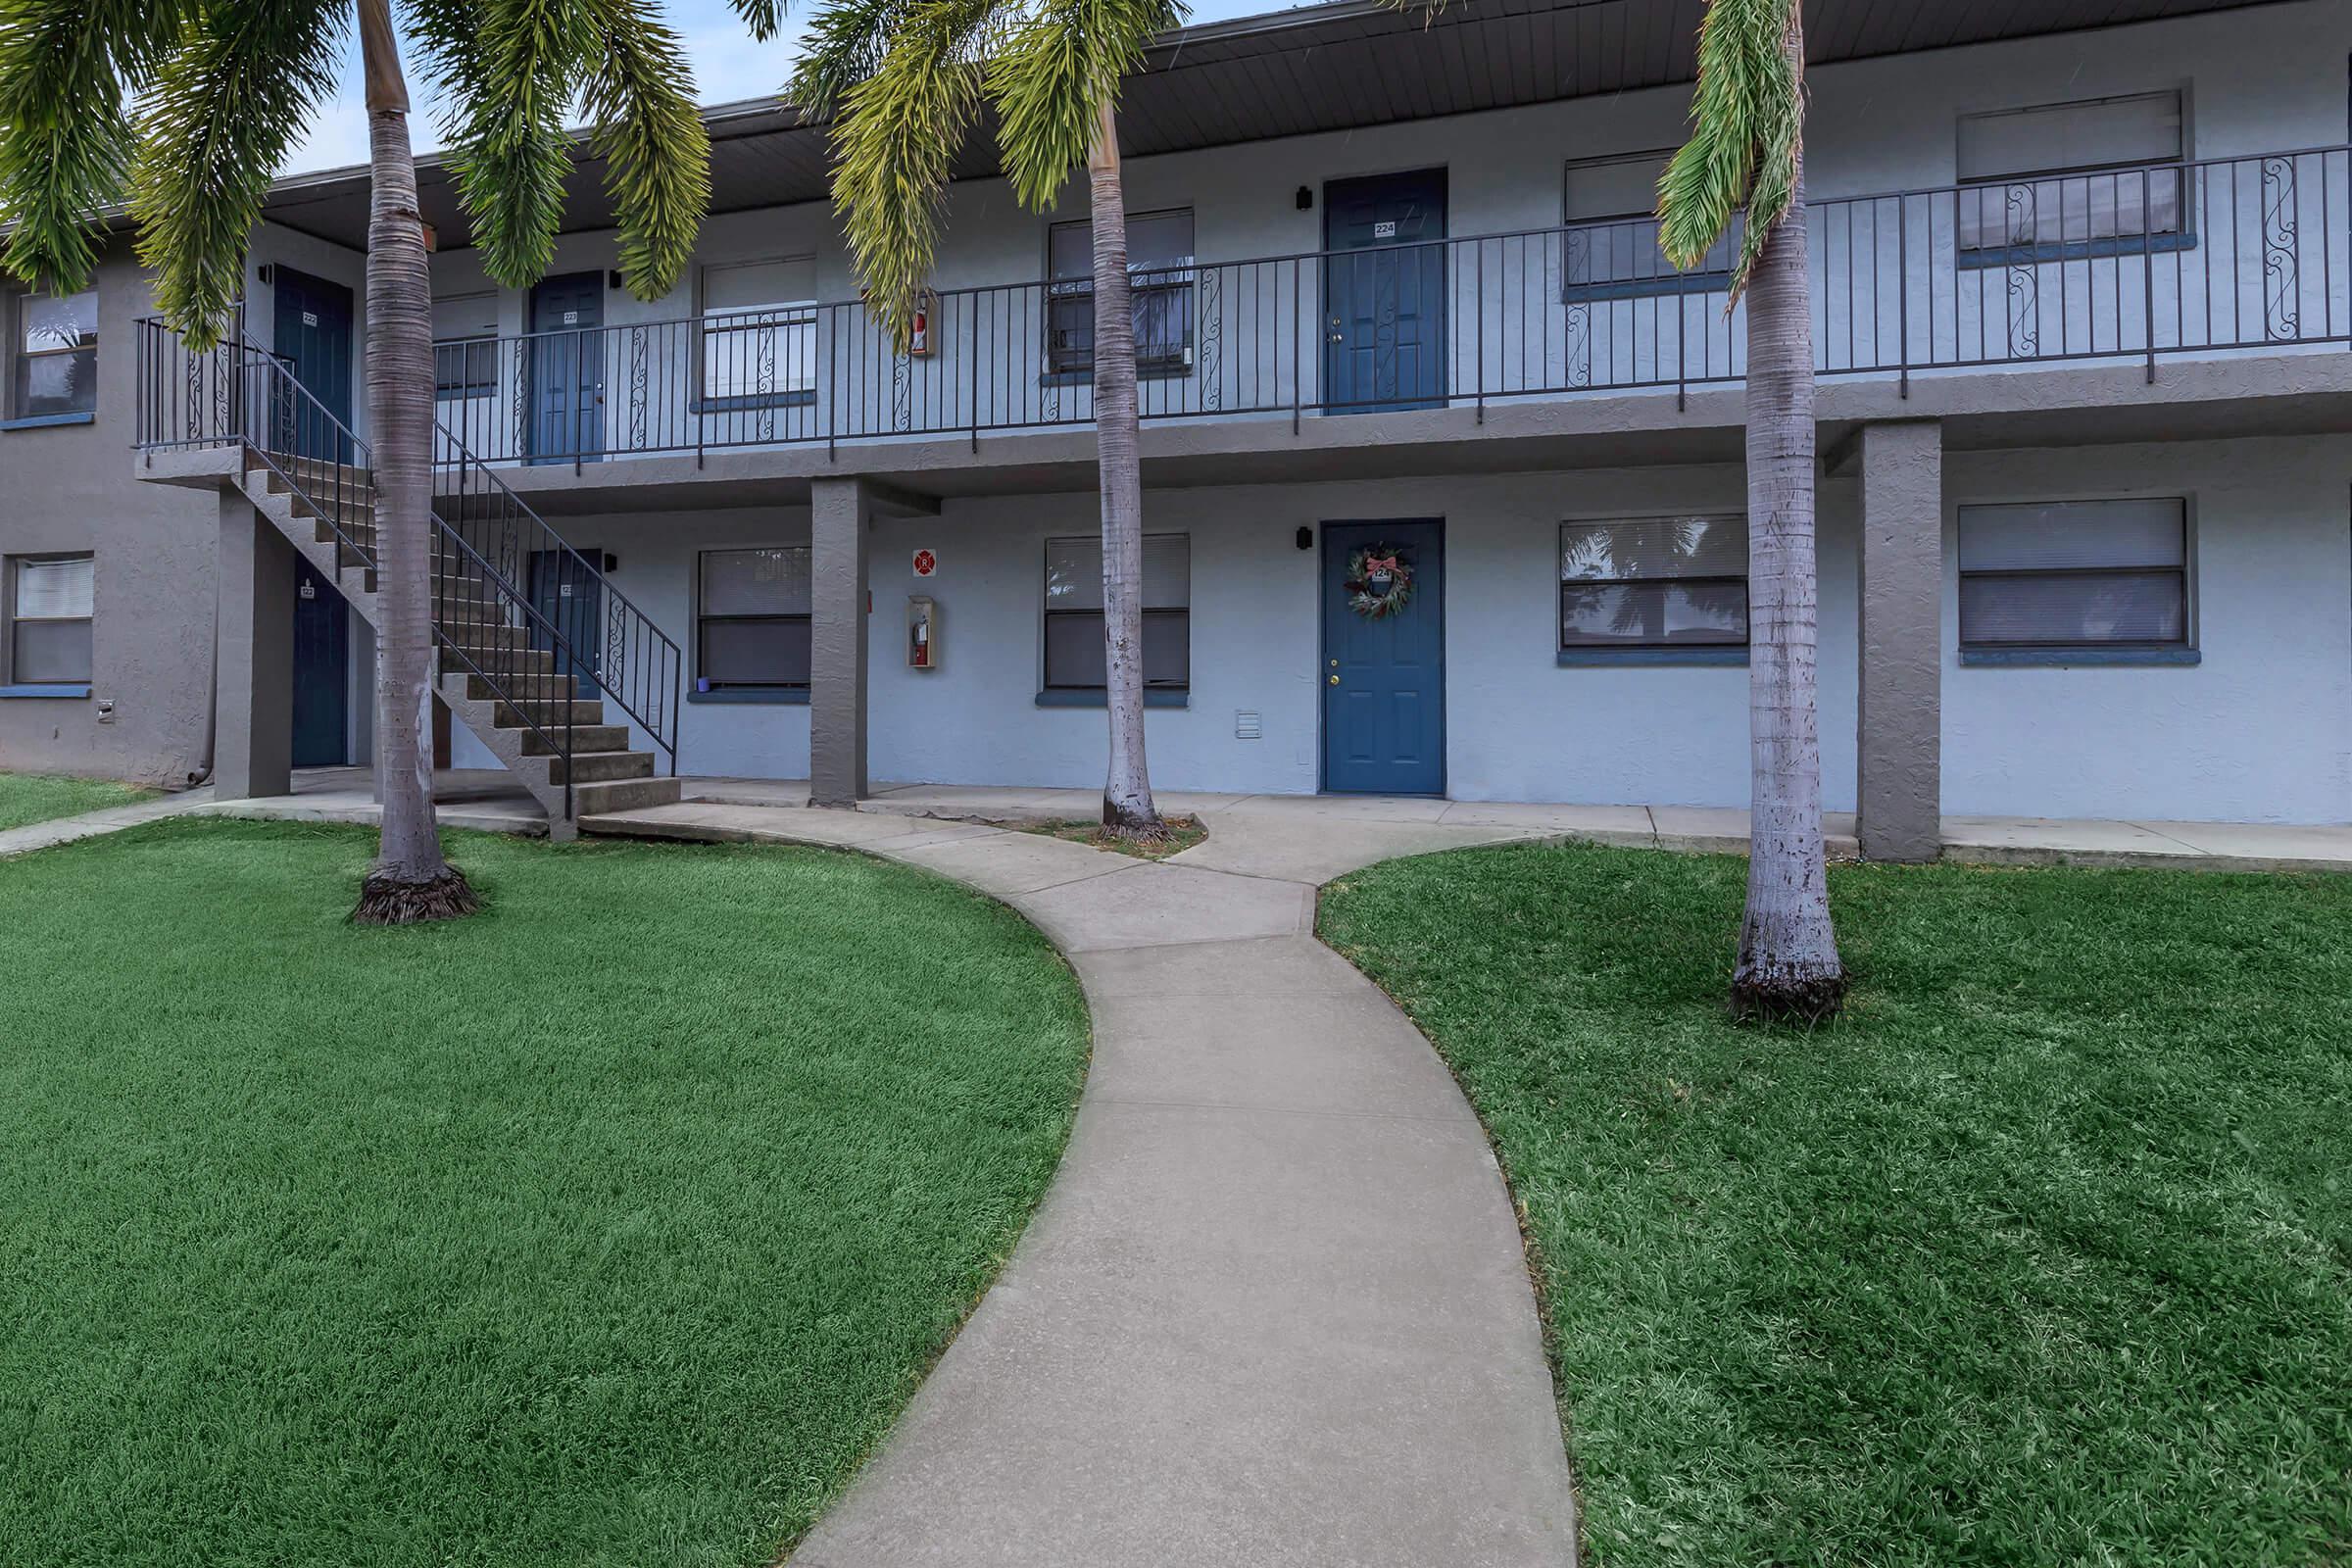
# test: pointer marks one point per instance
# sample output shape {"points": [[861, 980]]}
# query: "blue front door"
{"points": [[322, 672], [570, 599], [568, 367], [1384, 292], [1384, 658], [311, 331]]}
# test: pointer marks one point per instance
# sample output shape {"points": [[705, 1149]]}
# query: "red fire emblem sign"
{"points": [[925, 563]]}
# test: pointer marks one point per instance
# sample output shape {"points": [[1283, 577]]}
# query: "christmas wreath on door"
{"points": [[1379, 582]]}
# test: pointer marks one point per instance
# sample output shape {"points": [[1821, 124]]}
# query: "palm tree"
{"points": [[190, 107], [1747, 148], [903, 83]]}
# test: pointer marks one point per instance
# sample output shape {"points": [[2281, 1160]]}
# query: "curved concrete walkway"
{"points": [[1274, 1308]]}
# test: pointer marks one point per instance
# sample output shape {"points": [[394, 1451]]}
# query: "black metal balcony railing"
{"points": [[2211, 258], [2177, 259], [511, 596]]}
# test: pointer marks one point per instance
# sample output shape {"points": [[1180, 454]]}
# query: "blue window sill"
{"points": [[772, 696], [44, 421], [2081, 250], [1587, 658], [1161, 697], [752, 401], [54, 689], [2084, 658], [1643, 288], [1142, 373]]}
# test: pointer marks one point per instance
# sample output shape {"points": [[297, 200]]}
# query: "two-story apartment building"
{"points": [[2083, 305]]}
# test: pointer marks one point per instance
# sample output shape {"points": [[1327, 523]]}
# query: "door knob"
{"points": [[1335, 680]]}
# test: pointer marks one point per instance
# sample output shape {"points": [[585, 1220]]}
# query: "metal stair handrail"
{"points": [[241, 394], [633, 661]]}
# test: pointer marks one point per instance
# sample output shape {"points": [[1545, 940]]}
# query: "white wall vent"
{"points": [[1246, 726]]}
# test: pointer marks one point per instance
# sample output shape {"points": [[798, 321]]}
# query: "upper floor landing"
{"points": [[1356, 242]]}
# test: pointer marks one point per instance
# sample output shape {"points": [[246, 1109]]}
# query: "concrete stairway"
{"points": [[327, 509]]}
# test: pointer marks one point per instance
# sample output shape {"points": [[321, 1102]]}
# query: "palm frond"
{"points": [[223, 110], [67, 70], [846, 45], [766, 17], [895, 138], [507, 69], [639, 96], [1058, 60], [1746, 137]]}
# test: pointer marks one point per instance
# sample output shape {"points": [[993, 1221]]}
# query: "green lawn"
{"points": [[38, 797], [2042, 1256], [611, 1227]]}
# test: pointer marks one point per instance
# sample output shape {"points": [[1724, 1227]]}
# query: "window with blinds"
{"points": [[1073, 597], [2075, 575], [752, 618], [2074, 175], [51, 601], [57, 356], [466, 346], [1160, 271], [1654, 583], [1610, 247], [758, 338]]}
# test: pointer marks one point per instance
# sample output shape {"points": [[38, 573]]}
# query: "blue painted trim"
{"points": [[1643, 288], [60, 689], [2046, 658], [1142, 373], [771, 696], [1065, 696], [43, 421], [2082, 250], [751, 402], [1590, 658]]}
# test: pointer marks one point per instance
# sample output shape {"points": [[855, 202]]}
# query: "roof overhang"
{"points": [[1337, 65]]}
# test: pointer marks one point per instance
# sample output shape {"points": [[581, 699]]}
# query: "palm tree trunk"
{"points": [[1127, 805], [1789, 964], [409, 881]]}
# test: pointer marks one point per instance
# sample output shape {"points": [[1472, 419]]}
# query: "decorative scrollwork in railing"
{"points": [[519, 395], [637, 388], [2281, 283], [1212, 337], [2023, 297]]}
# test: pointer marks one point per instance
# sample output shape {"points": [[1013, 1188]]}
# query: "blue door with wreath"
{"points": [[1384, 658]]}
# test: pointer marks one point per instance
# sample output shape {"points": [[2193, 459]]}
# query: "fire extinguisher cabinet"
{"points": [[922, 632]]}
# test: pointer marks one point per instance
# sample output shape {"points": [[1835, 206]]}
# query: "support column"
{"points": [[840, 517], [253, 742], [1900, 786]]}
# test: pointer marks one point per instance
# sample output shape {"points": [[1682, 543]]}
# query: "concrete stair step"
{"points": [[541, 685], [585, 738], [512, 713], [625, 795], [600, 768], [495, 652]]}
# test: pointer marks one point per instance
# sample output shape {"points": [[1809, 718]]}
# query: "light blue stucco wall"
{"points": [[2260, 730]]}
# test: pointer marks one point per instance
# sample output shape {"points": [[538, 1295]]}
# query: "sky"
{"points": [[727, 66]]}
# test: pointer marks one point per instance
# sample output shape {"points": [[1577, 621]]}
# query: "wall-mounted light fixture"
{"points": [[1307, 538], [1306, 199]]}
